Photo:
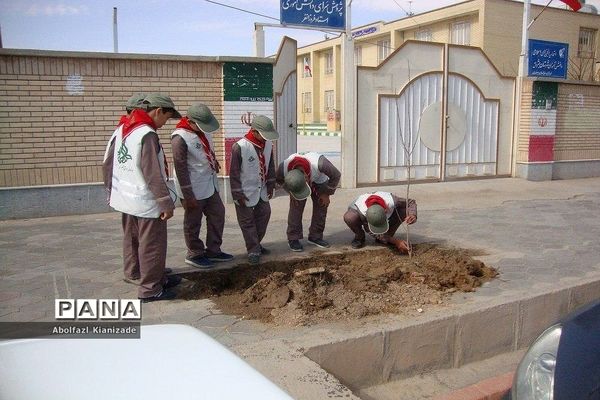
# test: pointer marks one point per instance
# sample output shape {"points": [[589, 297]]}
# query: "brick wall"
{"points": [[58, 110], [577, 136], [578, 122]]}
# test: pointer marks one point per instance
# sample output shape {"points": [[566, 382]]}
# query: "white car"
{"points": [[167, 362]]}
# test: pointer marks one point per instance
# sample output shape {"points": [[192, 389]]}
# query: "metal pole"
{"points": [[115, 32], [259, 40], [524, 38], [349, 153]]}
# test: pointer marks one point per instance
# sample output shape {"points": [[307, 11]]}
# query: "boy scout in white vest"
{"points": [[136, 168], [380, 214], [305, 175], [196, 169], [252, 180]]}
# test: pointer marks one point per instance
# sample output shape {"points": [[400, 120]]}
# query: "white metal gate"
{"points": [[285, 118], [412, 131]]}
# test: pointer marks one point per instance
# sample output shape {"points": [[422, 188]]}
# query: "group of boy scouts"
{"points": [[136, 177]]}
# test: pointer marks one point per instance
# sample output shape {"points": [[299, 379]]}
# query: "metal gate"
{"points": [[285, 118], [412, 131]]}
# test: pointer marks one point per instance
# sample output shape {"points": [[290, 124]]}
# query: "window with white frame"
{"points": [[357, 55], [383, 50], [424, 34], [587, 43], [329, 62], [460, 33], [307, 102], [329, 100]]}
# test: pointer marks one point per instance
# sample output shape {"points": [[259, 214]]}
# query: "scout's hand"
{"points": [[324, 199], [189, 204], [242, 201], [410, 219], [270, 193], [402, 246], [166, 215]]}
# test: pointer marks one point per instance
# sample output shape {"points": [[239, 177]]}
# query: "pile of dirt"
{"points": [[351, 285]]}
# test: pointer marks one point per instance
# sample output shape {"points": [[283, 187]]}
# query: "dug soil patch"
{"points": [[351, 285]]}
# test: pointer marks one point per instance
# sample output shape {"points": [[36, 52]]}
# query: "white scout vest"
{"points": [[390, 204], [203, 178], [252, 186], [117, 131], [316, 176], [130, 193]]}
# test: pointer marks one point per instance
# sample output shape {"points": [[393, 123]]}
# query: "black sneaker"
{"points": [[164, 295], [253, 259], [357, 244], [172, 281], [264, 251], [320, 243], [295, 245], [220, 257], [199, 262]]}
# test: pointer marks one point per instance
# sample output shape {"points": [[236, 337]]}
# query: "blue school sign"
{"points": [[323, 14], [548, 59]]}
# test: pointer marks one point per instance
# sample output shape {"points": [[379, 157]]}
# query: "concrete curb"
{"points": [[489, 389]]}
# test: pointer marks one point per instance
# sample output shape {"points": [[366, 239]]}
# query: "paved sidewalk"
{"points": [[540, 235]]}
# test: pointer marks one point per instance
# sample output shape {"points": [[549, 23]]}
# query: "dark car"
{"points": [[564, 361]]}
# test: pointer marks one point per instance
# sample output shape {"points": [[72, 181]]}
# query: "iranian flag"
{"points": [[574, 4]]}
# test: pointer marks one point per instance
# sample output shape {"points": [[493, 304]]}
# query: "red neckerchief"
{"points": [[136, 119], [123, 119], [261, 154], [374, 199], [303, 165], [300, 163], [184, 123]]}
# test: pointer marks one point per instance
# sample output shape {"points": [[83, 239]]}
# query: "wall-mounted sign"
{"points": [[548, 59], [74, 85], [364, 31], [247, 91], [328, 14]]}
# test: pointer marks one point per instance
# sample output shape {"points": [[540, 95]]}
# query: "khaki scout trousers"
{"points": [[253, 222], [145, 252], [214, 210], [317, 222]]}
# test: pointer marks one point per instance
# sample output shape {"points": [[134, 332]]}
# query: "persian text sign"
{"points": [[329, 14], [548, 59]]}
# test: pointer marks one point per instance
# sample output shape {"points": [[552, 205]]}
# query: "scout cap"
{"points": [[264, 126], [203, 117], [160, 100], [135, 101], [378, 222], [296, 184]]}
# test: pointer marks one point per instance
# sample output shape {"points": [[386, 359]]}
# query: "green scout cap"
{"points": [[203, 117], [296, 185], [135, 101], [378, 222], [160, 100], [264, 126]]}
